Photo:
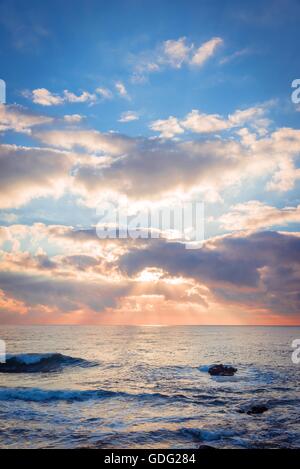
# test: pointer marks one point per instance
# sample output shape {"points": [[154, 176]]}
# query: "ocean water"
{"points": [[148, 387]]}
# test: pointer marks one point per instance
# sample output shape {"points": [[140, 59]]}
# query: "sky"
{"points": [[140, 106]]}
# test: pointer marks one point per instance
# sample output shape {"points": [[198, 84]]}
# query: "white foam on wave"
{"points": [[29, 358], [41, 362], [204, 368]]}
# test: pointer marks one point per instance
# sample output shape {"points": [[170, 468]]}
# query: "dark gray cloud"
{"points": [[61, 293], [260, 268]]}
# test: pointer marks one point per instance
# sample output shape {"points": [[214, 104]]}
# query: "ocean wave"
{"points": [[207, 435], [44, 395], [40, 363]]}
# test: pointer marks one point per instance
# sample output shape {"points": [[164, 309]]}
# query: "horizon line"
{"points": [[150, 325]]}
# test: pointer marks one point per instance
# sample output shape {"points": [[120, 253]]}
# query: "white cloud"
{"points": [[129, 116], [255, 215], [205, 51], [84, 97], [73, 118], [89, 140], [121, 89], [199, 122], [286, 175], [241, 117], [167, 128], [17, 119], [235, 55], [45, 98], [105, 93], [176, 52], [27, 173], [143, 167]]}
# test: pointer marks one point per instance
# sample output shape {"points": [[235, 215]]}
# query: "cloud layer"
{"points": [[245, 278]]}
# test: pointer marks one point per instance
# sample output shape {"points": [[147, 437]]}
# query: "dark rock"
{"points": [[257, 410], [222, 370]]}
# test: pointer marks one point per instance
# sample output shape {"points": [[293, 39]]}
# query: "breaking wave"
{"points": [[40, 363], [44, 395]]}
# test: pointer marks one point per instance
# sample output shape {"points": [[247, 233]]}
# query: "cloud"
{"points": [[167, 128], [129, 116], [148, 168], [18, 119], [27, 173], [67, 245], [233, 279], [245, 278], [259, 270], [90, 140], [285, 177], [142, 168], [235, 55], [121, 89], [68, 282], [152, 168], [59, 296], [205, 51], [105, 93], [199, 122], [284, 147], [73, 118], [84, 97], [44, 97], [174, 53], [255, 215], [91, 164], [204, 123]]}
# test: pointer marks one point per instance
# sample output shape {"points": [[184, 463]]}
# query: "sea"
{"points": [[120, 387]]}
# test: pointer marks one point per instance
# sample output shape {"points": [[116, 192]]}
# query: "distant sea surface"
{"points": [[148, 387]]}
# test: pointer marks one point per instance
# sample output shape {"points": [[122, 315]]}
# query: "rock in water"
{"points": [[222, 370], [257, 410]]}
